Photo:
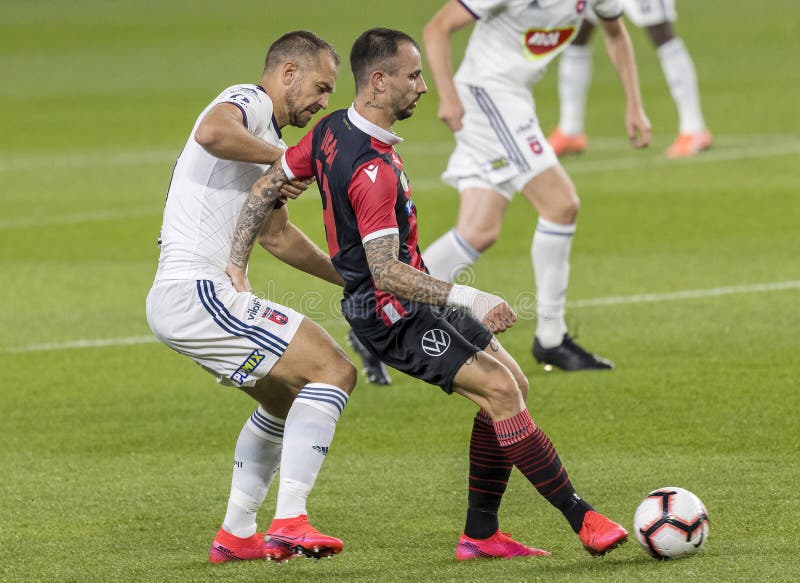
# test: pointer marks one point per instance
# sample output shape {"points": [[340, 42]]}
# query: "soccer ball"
{"points": [[671, 522]]}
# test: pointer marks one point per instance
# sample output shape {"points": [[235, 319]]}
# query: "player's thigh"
{"points": [[553, 195], [585, 31], [480, 216], [660, 33], [314, 357], [488, 383]]}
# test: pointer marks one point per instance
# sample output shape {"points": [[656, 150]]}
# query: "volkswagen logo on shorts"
{"points": [[435, 342]]}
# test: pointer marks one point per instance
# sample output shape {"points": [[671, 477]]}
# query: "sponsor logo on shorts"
{"points": [[274, 315], [253, 309], [321, 449], [248, 366], [580, 6], [535, 145], [496, 164], [435, 342], [540, 42]]}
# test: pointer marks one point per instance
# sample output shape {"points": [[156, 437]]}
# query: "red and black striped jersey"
{"points": [[365, 195]]}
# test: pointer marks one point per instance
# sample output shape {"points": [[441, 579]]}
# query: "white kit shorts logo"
{"points": [[435, 342]]}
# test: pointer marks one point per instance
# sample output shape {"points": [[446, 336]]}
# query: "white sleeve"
{"points": [[255, 105], [608, 9], [483, 8]]}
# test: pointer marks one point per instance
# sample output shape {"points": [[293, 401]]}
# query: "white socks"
{"points": [[574, 77], [310, 425], [256, 459], [682, 80], [448, 256], [550, 255]]}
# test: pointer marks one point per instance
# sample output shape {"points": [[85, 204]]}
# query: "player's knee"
{"points": [[342, 372], [480, 237], [503, 394], [566, 209], [661, 33], [522, 384]]}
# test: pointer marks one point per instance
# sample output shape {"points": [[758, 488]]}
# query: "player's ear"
{"points": [[288, 73], [378, 81]]}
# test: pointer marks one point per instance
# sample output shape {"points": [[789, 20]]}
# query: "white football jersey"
{"points": [[206, 194], [514, 40]]}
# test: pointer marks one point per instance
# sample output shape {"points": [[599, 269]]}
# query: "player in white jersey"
{"points": [[575, 75], [289, 365], [501, 150]]}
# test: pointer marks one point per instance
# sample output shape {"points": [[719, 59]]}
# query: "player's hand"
{"points": [[451, 112], [238, 277], [638, 127], [500, 318], [491, 310], [295, 188]]}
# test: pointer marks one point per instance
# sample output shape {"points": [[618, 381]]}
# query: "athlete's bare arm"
{"points": [[223, 134], [620, 51], [405, 282], [289, 244], [255, 212], [398, 278], [436, 38]]}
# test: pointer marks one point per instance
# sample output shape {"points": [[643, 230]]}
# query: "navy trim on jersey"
{"points": [[277, 127], [468, 9], [244, 113], [499, 126], [224, 319]]}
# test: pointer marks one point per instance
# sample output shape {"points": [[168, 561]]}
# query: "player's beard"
{"points": [[299, 116], [401, 112]]}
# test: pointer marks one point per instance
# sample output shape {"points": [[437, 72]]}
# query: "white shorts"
{"points": [[644, 13], [237, 337], [500, 145]]}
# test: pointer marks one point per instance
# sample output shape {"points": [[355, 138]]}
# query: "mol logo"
{"points": [[435, 342], [542, 42]]}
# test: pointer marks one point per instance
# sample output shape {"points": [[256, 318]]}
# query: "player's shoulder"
{"points": [[244, 92]]}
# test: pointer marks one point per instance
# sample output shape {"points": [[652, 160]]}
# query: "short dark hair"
{"points": [[377, 45], [297, 44]]}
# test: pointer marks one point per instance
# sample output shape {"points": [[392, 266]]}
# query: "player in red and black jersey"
{"points": [[431, 329]]}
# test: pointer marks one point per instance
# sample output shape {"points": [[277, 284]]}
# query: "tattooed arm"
{"points": [[402, 280], [263, 196], [398, 278]]}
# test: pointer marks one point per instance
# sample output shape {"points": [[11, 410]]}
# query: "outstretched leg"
{"points": [[489, 383]]}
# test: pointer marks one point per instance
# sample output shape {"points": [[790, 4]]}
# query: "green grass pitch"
{"points": [[115, 460]]}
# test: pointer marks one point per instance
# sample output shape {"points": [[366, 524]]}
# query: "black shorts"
{"points": [[430, 344]]}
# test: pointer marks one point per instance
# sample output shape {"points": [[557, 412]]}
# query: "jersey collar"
{"points": [[274, 121], [371, 129]]}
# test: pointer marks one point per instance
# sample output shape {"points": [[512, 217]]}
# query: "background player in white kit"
{"points": [[575, 75], [500, 148], [289, 365]]}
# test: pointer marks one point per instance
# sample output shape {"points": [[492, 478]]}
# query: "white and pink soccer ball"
{"points": [[670, 523]]}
